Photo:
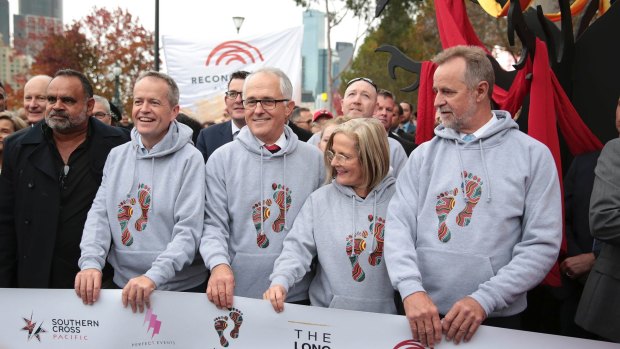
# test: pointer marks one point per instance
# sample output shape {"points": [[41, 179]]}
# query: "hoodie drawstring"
{"points": [[374, 222], [486, 172], [354, 221], [284, 194], [458, 151], [484, 166], [262, 196]]}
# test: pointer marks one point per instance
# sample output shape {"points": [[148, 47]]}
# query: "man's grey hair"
{"points": [[173, 89], [286, 88], [104, 102], [478, 66]]}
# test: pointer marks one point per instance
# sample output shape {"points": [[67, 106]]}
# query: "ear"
{"points": [[482, 90], [289, 108], [90, 105], [175, 111]]}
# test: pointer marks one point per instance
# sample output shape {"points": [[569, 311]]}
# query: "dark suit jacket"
{"points": [[30, 198], [302, 134], [214, 137], [408, 146], [599, 309]]}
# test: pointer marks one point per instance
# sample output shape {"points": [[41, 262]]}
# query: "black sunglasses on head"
{"points": [[362, 79]]}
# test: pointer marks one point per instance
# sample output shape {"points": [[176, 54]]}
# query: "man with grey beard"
{"points": [[49, 179]]}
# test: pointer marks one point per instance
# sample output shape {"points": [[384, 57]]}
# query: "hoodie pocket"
{"points": [[448, 276], [373, 305], [252, 273]]}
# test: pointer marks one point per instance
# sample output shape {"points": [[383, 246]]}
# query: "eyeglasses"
{"points": [[362, 79], [340, 158], [101, 115], [232, 94], [307, 122], [267, 104]]}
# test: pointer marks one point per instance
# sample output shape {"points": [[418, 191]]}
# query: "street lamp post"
{"points": [[116, 71], [238, 22]]}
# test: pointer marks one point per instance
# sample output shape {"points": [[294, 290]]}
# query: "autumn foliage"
{"points": [[94, 45]]}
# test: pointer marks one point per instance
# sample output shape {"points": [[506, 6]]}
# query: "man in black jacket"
{"points": [[50, 175]]}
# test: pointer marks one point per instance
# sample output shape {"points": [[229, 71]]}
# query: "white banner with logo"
{"points": [[202, 68], [38, 318]]}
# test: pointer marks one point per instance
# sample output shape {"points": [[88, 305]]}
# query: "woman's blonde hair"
{"points": [[372, 149], [18, 123]]}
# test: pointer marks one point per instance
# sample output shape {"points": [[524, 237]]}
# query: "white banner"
{"points": [[38, 318], [202, 69]]}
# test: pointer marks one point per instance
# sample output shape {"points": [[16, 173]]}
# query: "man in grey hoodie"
{"points": [[147, 215], [256, 185], [476, 219]]}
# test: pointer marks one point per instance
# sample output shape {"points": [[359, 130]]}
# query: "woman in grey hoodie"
{"points": [[342, 225]]}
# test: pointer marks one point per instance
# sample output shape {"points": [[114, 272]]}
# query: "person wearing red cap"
{"points": [[319, 119]]}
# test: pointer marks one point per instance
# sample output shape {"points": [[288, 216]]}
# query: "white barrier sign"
{"points": [[39, 318], [202, 68]]}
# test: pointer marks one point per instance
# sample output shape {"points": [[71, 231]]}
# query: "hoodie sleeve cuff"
{"points": [[484, 301], [215, 261], [155, 277], [90, 264], [409, 288], [280, 280]]}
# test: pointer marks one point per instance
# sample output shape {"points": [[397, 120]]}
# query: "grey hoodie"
{"points": [[253, 197], [148, 213], [346, 233], [480, 219]]}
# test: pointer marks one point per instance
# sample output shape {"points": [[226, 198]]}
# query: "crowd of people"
{"points": [[293, 206]]}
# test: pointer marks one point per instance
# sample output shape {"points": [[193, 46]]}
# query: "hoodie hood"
{"points": [[377, 192], [177, 136], [504, 124]]}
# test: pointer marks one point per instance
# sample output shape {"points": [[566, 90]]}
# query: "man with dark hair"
{"points": [[302, 118], [408, 123], [384, 112], [216, 136], [49, 179], [299, 126]]}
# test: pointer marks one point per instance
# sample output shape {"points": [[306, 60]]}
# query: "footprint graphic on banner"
{"points": [[220, 324]]}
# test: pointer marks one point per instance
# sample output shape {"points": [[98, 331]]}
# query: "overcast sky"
{"points": [[201, 18]]}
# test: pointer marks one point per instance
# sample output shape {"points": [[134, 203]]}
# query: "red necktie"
{"points": [[273, 148]]}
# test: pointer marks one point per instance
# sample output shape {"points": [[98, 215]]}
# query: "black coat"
{"points": [[214, 137], [30, 200]]}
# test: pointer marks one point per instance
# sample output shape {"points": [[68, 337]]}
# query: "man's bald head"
{"points": [[35, 98]]}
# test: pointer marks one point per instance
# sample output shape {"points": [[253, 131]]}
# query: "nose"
{"points": [[334, 162], [439, 100], [257, 110]]}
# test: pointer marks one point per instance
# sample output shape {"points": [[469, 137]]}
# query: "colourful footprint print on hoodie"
{"points": [[259, 218], [445, 204], [378, 230], [282, 197], [144, 199], [355, 246], [472, 188], [125, 211]]}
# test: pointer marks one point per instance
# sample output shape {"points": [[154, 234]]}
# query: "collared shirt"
{"points": [[78, 185], [281, 142], [235, 129], [479, 132]]}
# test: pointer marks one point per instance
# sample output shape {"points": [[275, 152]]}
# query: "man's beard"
{"points": [[65, 123]]}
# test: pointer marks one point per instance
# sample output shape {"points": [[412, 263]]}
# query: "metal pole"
{"points": [[156, 35], [117, 92]]}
